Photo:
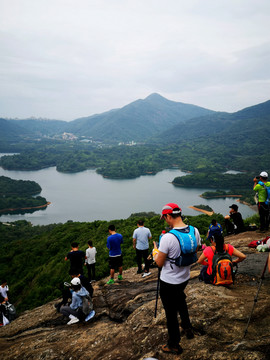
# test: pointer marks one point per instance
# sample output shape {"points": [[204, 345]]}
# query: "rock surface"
{"points": [[125, 328]]}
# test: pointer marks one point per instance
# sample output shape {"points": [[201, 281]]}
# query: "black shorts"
{"points": [[115, 262]]}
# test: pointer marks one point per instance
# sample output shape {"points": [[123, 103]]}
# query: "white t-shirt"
{"points": [[169, 245], [4, 290], [91, 255]]}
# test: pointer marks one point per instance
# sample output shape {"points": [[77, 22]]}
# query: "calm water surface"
{"points": [[87, 196]]}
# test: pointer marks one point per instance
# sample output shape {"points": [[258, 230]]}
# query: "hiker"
{"points": [[90, 261], [67, 293], [141, 237], [214, 228], [2, 310], [235, 226], [76, 258], [263, 207], [173, 278], [114, 242], [74, 311], [4, 289], [206, 258]]}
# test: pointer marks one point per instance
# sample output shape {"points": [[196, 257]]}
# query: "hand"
{"points": [[155, 252]]}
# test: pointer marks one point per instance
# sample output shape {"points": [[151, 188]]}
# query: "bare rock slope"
{"points": [[125, 328]]}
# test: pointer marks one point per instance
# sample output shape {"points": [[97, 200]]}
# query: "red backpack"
{"points": [[222, 267]]}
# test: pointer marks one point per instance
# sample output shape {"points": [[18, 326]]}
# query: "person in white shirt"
{"points": [[4, 290], [174, 278], [90, 261]]}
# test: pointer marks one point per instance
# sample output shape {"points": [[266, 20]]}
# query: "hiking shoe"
{"points": [[90, 315], [120, 277], [188, 333], [111, 281], [167, 349], [73, 321], [146, 274]]}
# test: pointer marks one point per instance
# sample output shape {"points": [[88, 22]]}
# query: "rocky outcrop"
{"points": [[125, 328]]}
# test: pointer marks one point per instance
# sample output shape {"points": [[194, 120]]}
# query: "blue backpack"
{"points": [[214, 229], [188, 246], [267, 188]]}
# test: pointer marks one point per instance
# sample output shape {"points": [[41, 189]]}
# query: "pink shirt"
{"points": [[209, 253]]}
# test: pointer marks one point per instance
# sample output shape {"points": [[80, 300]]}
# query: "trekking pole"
{"points": [[256, 297], [159, 270]]}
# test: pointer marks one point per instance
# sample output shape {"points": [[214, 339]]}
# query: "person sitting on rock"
{"points": [[206, 258], [74, 311], [67, 291], [234, 223]]}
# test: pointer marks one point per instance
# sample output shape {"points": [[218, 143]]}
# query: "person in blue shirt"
{"points": [[214, 229], [74, 310], [114, 242]]}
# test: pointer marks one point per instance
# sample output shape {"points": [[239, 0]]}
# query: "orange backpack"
{"points": [[222, 267]]}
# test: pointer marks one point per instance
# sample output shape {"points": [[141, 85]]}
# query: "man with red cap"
{"points": [[174, 278]]}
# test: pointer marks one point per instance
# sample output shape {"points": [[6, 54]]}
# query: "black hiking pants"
{"points": [[174, 301], [142, 254], [264, 216]]}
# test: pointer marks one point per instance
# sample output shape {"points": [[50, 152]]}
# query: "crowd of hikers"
{"points": [[173, 253]]}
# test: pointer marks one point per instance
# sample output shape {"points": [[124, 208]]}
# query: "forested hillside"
{"points": [[17, 196]]}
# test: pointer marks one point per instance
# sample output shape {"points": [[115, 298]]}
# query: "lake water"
{"points": [[87, 196]]}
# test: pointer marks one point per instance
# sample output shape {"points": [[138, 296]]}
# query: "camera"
{"points": [[258, 177]]}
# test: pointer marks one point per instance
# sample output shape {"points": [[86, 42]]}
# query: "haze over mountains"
{"points": [[151, 119]]}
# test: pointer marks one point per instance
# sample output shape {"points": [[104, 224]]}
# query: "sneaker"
{"points": [[146, 274], [111, 281], [74, 320], [167, 349], [120, 277], [90, 315]]}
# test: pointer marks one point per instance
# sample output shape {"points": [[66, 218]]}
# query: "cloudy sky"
{"points": [[64, 59]]}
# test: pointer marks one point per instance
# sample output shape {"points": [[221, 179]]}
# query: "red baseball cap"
{"points": [[170, 208]]}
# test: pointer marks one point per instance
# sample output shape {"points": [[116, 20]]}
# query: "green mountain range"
{"points": [[137, 121]]}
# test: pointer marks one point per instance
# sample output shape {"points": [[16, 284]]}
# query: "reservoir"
{"points": [[87, 196]]}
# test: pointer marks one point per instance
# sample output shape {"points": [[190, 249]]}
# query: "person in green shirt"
{"points": [[262, 197]]}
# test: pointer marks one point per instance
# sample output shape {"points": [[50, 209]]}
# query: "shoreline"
{"points": [[209, 213], [220, 196], [27, 208]]}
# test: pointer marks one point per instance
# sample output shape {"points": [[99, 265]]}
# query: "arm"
{"points": [[240, 256], [202, 259], [134, 243], [160, 258]]}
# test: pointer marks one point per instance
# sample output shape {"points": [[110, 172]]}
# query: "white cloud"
{"points": [[65, 58]]}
